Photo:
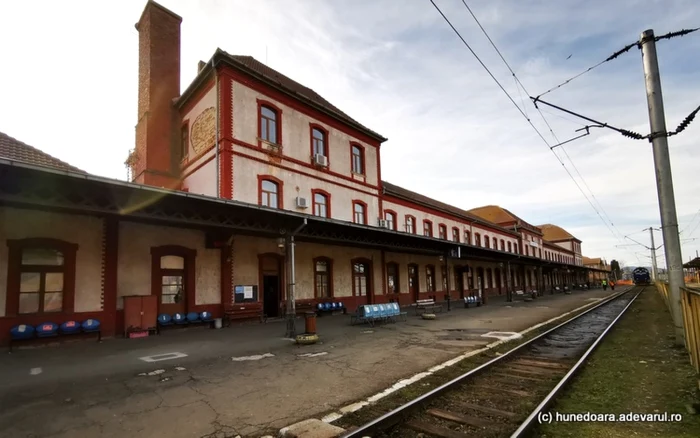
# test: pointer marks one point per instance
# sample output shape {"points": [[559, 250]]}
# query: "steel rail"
{"points": [[529, 421], [393, 417]]}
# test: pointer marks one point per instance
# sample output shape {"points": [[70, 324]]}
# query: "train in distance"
{"points": [[641, 276]]}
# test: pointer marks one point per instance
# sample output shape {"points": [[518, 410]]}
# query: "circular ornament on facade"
{"points": [[203, 133]]}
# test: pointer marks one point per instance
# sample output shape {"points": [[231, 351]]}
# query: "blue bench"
{"points": [[472, 300], [24, 332], [373, 313], [330, 307], [181, 319]]}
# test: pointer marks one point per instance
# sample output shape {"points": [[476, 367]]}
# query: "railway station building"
{"points": [[246, 180]]}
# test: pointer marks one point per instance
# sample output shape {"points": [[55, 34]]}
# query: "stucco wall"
{"points": [[246, 265], [296, 133], [245, 188], [85, 231], [402, 211], [202, 179], [201, 119], [134, 266]]}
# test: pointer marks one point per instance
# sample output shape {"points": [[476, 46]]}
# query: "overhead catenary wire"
{"points": [[616, 54], [544, 119]]}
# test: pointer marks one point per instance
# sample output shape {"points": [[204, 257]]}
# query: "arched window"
{"points": [[495, 243], [358, 159], [410, 224], [321, 203], [442, 230], [323, 277], [428, 228], [319, 142], [359, 212], [477, 239], [510, 247], [270, 192], [467, 238], [269, 119], [487, 242], [455, 234], [503, 245], [390, 218]]}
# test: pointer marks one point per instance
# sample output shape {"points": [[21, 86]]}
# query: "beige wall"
{"points": [[245, 188], [85, 231], [296, 133], [246, 270], [420, 215], [134, 267]]}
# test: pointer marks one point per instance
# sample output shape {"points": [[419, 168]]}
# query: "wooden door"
{"points": [[149, 311], [132, 313], [413, 286]]}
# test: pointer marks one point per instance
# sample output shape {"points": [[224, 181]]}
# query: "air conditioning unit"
{"points": [[302, 202], [321, 160], [382, 223]]}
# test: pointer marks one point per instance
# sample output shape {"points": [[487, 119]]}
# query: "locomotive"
{"points": [[641, 276]]}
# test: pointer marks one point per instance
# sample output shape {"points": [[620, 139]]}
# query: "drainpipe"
{"points": [[216, 148], [291, 307]]}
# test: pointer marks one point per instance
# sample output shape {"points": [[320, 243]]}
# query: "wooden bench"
{"points": [[300, 307], [243, 311], [427, 306]]}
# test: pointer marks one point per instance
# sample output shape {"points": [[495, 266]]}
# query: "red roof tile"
{"points": [[13, 149], [252, 65]]}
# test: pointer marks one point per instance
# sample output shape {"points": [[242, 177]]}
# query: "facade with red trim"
{"points": [[245, 138]]}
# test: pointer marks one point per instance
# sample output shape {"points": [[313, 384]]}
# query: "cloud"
{"points": [[399, 69]]}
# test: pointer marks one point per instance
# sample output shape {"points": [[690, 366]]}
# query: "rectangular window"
{"points": [[184, 142], [322, 279], [392, 278], [358, 160], [430, 278], [444, 278]]}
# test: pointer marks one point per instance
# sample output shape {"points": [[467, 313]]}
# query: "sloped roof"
{"points": [[695, 263], [494, 213], [15, 150], [591, 261], [255, 68], [502, 216], [554, 233], [400, 192]]}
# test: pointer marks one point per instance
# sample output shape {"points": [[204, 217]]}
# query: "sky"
{"points": [[69, 87]]}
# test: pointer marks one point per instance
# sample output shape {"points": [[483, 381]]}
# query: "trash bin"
{"points": [[310, 323], [217, 323]]}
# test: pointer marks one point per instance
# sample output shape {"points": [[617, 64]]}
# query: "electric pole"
{"points": [[654, 271], [664, 180]]}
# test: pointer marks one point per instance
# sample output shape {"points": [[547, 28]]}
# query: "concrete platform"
{"points": [[245, 380]]}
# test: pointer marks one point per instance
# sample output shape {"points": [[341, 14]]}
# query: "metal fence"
{"points": [[690, 307]]}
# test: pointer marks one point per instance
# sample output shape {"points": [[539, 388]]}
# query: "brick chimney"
{"points": [[154, 160]]}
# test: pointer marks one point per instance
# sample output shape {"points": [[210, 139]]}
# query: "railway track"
{"points": [[502, 397]]}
